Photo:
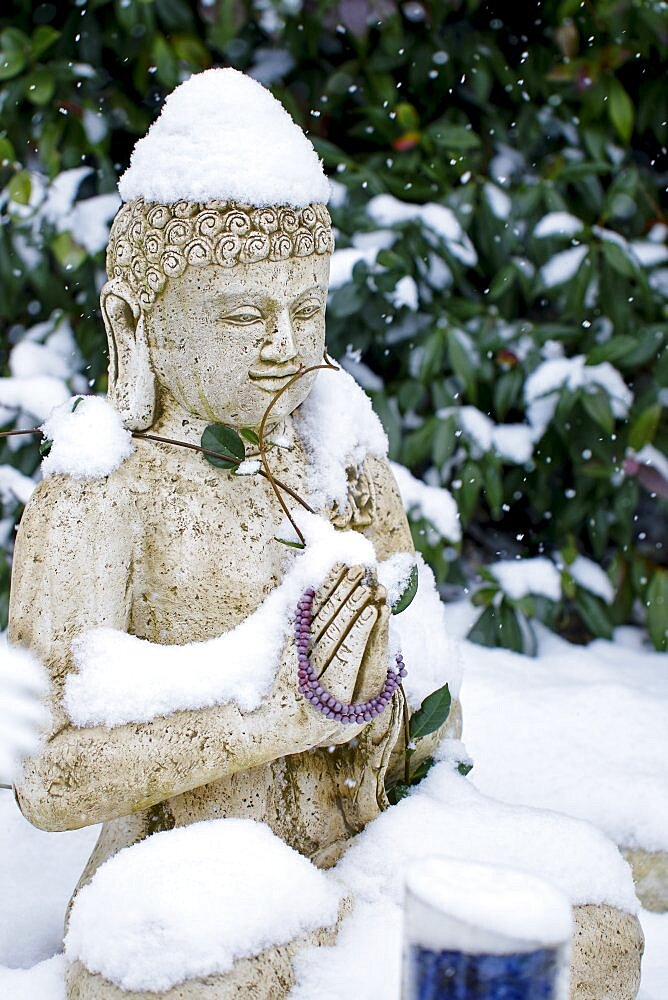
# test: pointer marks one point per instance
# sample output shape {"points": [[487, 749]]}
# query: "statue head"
{"points": [[217, 305], [218, 261]]}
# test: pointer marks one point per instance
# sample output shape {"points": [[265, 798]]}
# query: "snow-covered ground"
{"points": [[576, 729]]}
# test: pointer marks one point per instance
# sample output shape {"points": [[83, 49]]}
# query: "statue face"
{"points": [[223, 341]]}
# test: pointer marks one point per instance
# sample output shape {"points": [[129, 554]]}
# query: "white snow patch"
{"points": [[122, 678], [394, 574], [563, 266], [221, 135], [454, 820], [23, 717], [649, 455], [558, 224], [431, 655], [14, 485], [433, 503], [582, 729], [499, 203], [386, 210], [339, 429], [512, 442], [342, 263], [592, 577], [542, 387], [89, 440], [36, 396], [648, 253], [405, 293], [520, 577], [233, 889]]}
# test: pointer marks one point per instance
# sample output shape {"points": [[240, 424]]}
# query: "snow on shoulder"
{"points": [[88, 439], [189, 902], [339, 429], [222, 135]]}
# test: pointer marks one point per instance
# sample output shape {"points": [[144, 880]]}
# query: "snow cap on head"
{"points": [[223, 136]]}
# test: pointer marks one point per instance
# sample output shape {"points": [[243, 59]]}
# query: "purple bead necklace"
{"points": [[314, 692]]}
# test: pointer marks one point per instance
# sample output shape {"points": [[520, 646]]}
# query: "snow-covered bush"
{"points": [[501, 280]]}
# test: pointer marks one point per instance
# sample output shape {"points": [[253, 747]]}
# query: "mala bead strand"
{"points": [[317, 695]]}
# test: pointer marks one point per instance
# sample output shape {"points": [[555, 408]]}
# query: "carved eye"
{"points": [[244, 316], [308, 310]]}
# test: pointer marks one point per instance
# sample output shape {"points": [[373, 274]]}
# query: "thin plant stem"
{"points": [[29, 430], [407, 737], [140, 435], [263, 450]]}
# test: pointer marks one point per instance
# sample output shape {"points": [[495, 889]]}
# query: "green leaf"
{"points": [[510, 631], [461, 362], [45, 447], [455, 137], [11, 63], [618, 259], [19, 187], [464, 767], [620, 109], [223, 439], [597, 405], [657, 608], [286, 541], [593, 612], [612, 350], [6, 152], [644, 427], [67, 252], [444, 440], [408, 593], [431, 714], [43, 38], [39, 86], [484, 631], [248, 434]]}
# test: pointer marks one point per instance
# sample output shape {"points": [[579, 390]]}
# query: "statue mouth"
{"points": [[272, 379]]}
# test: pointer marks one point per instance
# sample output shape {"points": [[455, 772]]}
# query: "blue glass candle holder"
{"points": [[483, 932]]}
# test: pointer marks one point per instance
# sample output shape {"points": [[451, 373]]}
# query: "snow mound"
{"points": [[454, 820], [189, 902], [88, 439], [222, 135]]}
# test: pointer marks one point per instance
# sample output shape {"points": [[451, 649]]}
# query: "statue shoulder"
{"points": [[82, 505]]}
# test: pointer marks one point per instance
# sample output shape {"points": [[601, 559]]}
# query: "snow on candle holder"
{"points": [[483, 932]]}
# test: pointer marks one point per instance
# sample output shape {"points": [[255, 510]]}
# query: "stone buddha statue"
{"points": [[212, 306]]}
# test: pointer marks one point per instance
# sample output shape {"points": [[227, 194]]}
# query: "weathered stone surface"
{"points": [[267, 976], [650, 874], [607, 949]]}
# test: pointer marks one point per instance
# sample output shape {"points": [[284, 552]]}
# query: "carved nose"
{"points": [[280, 345]]}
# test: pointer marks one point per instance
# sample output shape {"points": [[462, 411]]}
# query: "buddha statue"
{"points": [[211, 308], [214, 309]]}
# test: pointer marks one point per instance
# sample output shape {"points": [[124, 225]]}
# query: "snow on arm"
{"points": [[122, 678]]}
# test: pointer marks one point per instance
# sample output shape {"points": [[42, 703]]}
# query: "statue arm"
{"points": [[389, 531], [73, 569]]}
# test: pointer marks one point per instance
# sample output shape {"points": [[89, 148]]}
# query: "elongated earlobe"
{"points": [[131, 380]]}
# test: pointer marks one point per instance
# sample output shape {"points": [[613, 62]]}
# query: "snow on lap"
{"points": [[190, 901]]}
